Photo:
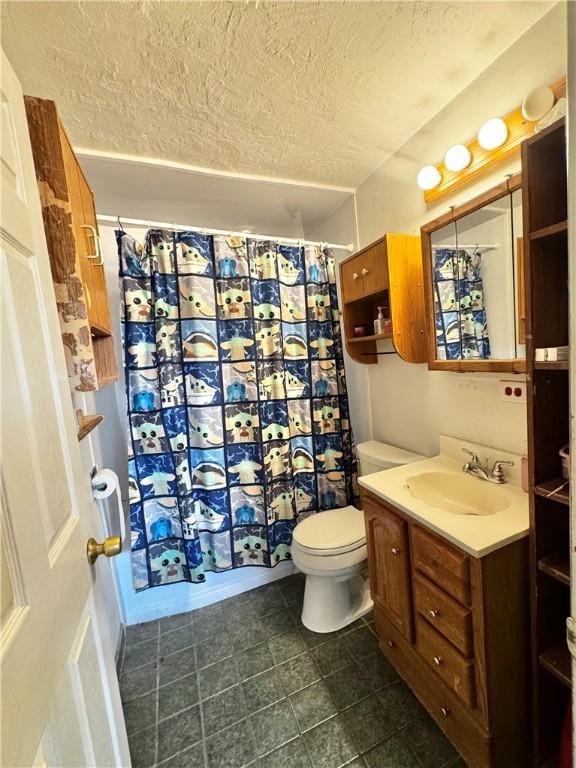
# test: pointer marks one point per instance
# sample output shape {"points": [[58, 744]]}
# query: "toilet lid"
{"points": [[334, 529]]}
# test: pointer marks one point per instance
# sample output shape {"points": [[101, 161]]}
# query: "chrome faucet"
{"points": [[475, 468]]}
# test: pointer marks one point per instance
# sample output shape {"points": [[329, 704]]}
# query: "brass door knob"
{"points": [[109, 547]]}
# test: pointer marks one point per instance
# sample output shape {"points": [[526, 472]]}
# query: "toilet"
{"points": [[330, 549]]}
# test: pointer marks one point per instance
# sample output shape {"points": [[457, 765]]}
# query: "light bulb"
{"points": [[428, 177], [493, 133], [457, 158]]}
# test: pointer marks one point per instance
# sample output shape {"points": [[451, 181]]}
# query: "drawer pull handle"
{"points": [[391, 644], [395, 551], [355, 276], [364, 271], [437, 660], [433, 613], [445, 711]]}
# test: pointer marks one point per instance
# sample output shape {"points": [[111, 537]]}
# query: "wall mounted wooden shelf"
{"points": [[388, 274], [372, 337], [86, 423], [75, 252]]}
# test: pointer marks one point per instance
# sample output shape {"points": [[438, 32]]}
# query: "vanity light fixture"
{"points": [[428, 177], [493, 133], [499, 139], [457, 158]]}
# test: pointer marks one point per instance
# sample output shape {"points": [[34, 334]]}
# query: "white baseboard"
{"points": [[159, 602]]}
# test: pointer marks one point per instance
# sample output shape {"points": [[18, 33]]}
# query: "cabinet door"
{"points": [[100, 310], [366, 273], [389, 565]]}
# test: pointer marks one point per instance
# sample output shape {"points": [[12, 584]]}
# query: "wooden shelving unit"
{"points": [[546, 284], [387, 274]]}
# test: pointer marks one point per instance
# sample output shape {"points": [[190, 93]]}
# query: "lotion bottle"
{"points": [[379, 322]]}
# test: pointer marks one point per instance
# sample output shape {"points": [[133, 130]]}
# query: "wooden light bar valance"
{"points": [[483, 160]]}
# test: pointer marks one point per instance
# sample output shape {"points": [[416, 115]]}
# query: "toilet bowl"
{"points": [[330, 549]]}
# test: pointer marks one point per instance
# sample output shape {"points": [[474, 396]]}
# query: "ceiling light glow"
{"points": [[457, 158], [428, 177], [493, 133]]}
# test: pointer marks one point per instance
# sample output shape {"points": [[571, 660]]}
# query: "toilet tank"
{"points": [[374, 457]]}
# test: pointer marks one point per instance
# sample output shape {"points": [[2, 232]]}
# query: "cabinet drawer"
{"points": [[456, 670], [365, 274], [462, 725], [443, 613], [444, 565]]}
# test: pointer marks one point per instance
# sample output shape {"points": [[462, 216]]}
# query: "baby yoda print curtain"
{"points": [[461, 328], [237, 404]]}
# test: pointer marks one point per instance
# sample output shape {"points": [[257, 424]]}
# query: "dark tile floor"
{"points": [[243, 683]]}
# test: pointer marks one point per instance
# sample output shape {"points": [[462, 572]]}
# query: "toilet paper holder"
{"points": [[105, 484]]}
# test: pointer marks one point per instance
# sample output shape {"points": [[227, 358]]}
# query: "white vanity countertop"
{"points": [[477, 535]]}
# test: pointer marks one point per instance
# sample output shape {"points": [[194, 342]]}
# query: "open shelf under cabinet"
{"points": [[372, 337]]}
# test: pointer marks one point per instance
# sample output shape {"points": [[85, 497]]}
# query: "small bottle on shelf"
{"points": [[379, 322]]}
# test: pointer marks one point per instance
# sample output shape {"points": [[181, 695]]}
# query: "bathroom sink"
{"points": [[459, 494]]}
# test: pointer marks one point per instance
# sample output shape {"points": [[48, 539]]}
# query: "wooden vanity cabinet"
{"points": [[74, 247], [388, 274], [456, 628]]}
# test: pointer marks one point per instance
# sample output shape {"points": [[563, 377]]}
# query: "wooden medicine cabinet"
{"points": [[75, 251], [474, 278], [386, 274]]}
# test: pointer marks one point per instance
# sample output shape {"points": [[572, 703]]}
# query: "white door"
{"points": [[60, 700]]}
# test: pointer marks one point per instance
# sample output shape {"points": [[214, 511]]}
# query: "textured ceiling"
{"points": [[317, 91]]}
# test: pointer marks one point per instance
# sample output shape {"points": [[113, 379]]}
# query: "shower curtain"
{"points": [[461, 327], [239, 423]]}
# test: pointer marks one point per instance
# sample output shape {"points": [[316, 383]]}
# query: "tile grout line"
{"points": [[201, 711], [311, 650], [156, 731]]}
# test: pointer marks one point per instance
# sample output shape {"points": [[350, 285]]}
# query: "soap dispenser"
{"points": [[379, 322]]}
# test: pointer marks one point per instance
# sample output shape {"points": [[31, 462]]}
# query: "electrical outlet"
{"points": [[513, 391]]}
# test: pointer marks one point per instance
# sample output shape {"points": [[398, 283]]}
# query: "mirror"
{"points": [[474, 272]]}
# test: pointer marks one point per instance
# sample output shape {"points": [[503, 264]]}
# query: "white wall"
{"points": [[410, 405], [340, 227]]}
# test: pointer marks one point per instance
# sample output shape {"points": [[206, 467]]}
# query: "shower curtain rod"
{"points": [[105, 218], [461, 245]]}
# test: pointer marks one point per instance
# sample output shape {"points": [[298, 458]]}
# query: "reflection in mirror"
{"points": [[478, 299], [446, 295], [519, 295]]}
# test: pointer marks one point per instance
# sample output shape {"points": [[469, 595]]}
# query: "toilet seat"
{"points": [[333, 532]]}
